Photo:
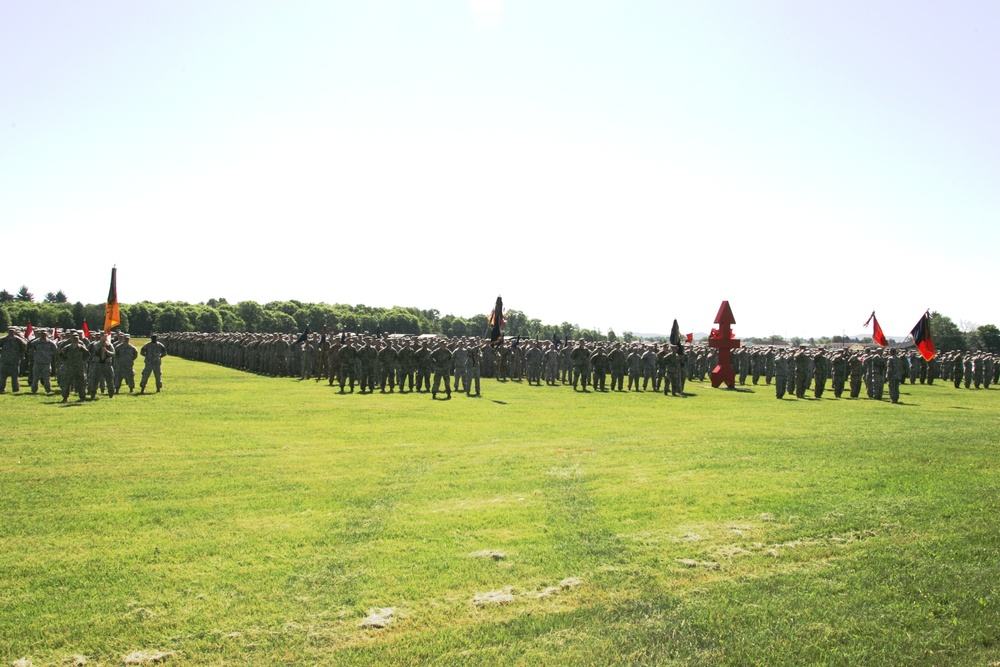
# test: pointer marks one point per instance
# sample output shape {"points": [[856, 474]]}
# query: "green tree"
{"points": [[209, 320], [4, 319], [24, 295], [6, 297], [276, 321], [989, 336], [252, 315], [142, 317], [172, 318], [945, 334]]}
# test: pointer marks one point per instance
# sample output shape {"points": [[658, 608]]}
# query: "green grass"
{"points": [[241, 520]]}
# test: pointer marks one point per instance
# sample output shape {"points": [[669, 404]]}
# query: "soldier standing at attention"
{"points": [[45, 352], [616, 361], [125, 356], [12, 349], [581, 360], [599, 363], [839, 367], [153, 352], [75, 354], [368, 357], [405, 361], [423, 359], [472, 364], [441, 357], [894, 370], [633, 363], [103, 354]]}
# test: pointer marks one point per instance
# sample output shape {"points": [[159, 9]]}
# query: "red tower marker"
{"points": [[723, 340]]}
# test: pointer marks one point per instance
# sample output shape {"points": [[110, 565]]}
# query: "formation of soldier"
{"points": [[391, 362], [100, 364], [436, 365]]}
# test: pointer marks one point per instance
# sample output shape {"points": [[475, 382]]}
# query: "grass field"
{"points": [[241, 520]]}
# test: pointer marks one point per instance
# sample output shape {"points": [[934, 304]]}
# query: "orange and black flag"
{"points": [[877, 334], [496, 323], [112, 314], [922, 337]]}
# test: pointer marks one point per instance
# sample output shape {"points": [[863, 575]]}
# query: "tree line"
{"points": [[219, 316]]}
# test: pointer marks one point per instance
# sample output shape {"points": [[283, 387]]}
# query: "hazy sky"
{"points": [[612, 164]]}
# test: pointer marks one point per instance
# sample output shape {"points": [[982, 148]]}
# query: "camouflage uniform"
{"points": [[44, 353], [12, 349]]}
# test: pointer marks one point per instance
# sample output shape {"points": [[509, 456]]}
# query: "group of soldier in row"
{"points": [[101, 363], [431, 364]]}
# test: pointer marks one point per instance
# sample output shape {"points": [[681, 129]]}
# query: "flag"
{"points": [[303, 336], [555, 341], [922, 337], [496, 322], [675, 334], [112, 315], [322, 339], [55, 332], [30, 330], [877, 334], [690, 337], [86, 330]]}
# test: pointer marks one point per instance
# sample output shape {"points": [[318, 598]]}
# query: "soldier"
{"points": [[102, 352], [405, 361], [894, 371], [12, 349], [855, 367], [839, 370], [423, 359], [581, 364], [533, 363], [44, 353], [821, 369], [670, 368], [388, 359], [633, 365], [460, 361], [649, 371], [958, 367], [878, 376], [153, 352], [473, 361], [599, 364], [441, 358], [780, 369], [616, 363], [550, 364], [75, 355], [125, 356], [368, 358], [348, 365], [801, 372]]}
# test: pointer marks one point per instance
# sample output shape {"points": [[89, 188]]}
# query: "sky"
{"points": [[611, 164]]}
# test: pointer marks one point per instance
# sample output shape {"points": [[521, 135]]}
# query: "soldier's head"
{"points": [[152, 338], [42, 333]]}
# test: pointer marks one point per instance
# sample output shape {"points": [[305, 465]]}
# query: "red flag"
{"points": [[55, 332], [690, 337], [922, 337], [30, 330], [86, 330], [112, 314], [877, 334]]}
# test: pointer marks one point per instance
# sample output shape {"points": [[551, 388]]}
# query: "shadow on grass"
{"points": [[493, 400]]}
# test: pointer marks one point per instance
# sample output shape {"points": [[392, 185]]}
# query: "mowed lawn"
{"points": [[242, 520]]}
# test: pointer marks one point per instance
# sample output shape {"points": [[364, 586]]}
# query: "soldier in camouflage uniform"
{"points": [[44, 353], [441, 358], [153, 352], [12, 350], [839, 371], [780, 369], [368, 358], [75, 354], [616, 363], [407, 365], [581, 364], [599, 366], [633, 365], [473, 361], [821, 369], [423, 360], [125, 356], [894, 374], [103, 354]]}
